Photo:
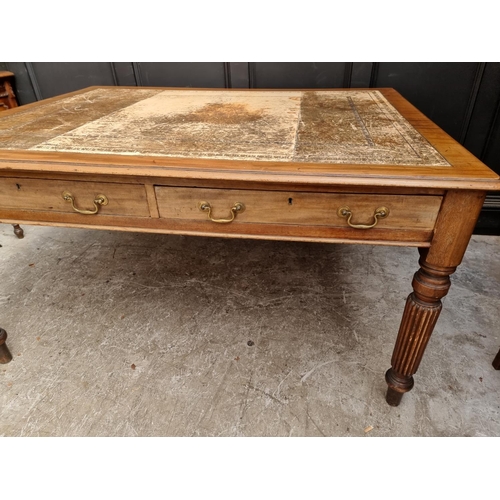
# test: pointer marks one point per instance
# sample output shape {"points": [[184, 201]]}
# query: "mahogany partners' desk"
{"points": [[348, 166]]}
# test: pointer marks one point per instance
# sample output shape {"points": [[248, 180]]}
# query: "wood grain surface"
{"points": [[46, 195], [309, 209]]}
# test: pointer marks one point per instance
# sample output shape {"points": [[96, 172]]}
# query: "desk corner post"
{"points": [[5, 355], [454, 227]]}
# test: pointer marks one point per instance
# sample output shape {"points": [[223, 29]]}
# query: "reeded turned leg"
{"points": [[18, 230], [5, 355], [430, 285], [454, 226], [496, 361]]}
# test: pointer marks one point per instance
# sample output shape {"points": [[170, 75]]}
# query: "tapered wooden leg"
{"points": [[496, 361], [5, 355], [454, 226], [430, 285], [419, 318], [18, 230]]}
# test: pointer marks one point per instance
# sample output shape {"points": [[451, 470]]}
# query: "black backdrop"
{"points": [[462, 98]]}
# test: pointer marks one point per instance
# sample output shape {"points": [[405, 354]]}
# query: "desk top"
{"points": [[324, 135]]}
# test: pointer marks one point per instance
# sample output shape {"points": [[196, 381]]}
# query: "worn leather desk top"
{"points": [[328, 127], [331, 135]]}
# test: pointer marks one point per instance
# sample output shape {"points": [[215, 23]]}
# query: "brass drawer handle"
{"points": [[99, 201], [380, 213], [238, 207]]}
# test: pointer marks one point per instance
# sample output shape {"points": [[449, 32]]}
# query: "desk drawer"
{"points": [[298, 208], [47, 196]]}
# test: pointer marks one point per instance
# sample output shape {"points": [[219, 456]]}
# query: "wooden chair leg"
{"points": [[18, 230], [5, 355], [496, 361]]}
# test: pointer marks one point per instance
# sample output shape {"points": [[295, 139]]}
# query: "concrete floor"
{"points": [[124, 334]]}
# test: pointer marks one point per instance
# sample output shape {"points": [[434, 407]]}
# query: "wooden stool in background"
{"points": [[7, 96], [8, 101]]}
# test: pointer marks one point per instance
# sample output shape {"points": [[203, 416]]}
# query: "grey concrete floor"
{"points": [[125, 334]]}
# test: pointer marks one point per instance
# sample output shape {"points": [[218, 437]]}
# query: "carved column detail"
{"points": [[430, 285], [418, 323]]}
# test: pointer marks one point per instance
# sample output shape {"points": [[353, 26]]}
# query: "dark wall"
{"points": [[462, 98]]}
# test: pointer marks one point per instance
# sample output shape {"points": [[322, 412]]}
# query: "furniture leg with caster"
{"points": [[496, 361], [18, 231], [5, 355]]}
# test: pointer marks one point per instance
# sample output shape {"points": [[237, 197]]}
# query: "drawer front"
{"points": [[47, 196], [299, 208]]}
